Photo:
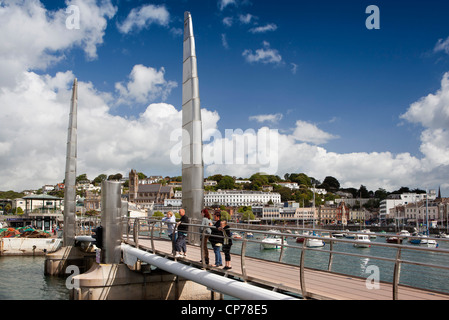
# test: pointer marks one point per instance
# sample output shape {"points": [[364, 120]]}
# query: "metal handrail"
{"points": [[397, 260]]}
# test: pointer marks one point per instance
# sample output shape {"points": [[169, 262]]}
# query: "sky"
{"points": [[344, 90]]}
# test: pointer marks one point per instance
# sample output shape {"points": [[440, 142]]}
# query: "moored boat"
{"points": [[362, 241], [272, 241], [394, 240], [372, 235]]}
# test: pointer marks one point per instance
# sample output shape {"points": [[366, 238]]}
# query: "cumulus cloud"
{"points": [[35, 38], [273, 118], [263, 55], [145, 84], [143, 17], [247, 18], [106, 143], [263, 29], [308, 132], [442, 45], [432, 112], [224, 3]]}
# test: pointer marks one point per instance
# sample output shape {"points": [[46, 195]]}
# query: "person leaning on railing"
{"points": [[227, 243], [216, 240], [182, 227], [170, 220]]}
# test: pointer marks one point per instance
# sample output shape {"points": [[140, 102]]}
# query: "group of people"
{"points": [[217, 232]]}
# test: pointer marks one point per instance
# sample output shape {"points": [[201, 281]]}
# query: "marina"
{"points": [[346, 259]]}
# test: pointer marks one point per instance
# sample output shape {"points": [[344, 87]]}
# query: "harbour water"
{"points": [[22, 278], [417, 276]]}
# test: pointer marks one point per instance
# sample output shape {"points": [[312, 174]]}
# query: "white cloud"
{"points": [[143, 17], [294, 67], [263, 29], [264, 55], [34, 132], [442, 45], [224, 3], [33, 136], [274, 118], [224, 41], [228, 21], [308, 132], [247, 18], [145, 84], [432, 112], [35, 38]]}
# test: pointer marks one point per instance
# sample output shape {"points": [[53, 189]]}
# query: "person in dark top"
{"points": [[216, 239], [227, 243], [182, 234]]}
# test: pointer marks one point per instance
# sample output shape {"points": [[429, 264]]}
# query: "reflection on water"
{"points": [[22, 278]]}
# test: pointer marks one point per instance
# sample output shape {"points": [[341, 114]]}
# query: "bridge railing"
{"points": [[153, 229]]}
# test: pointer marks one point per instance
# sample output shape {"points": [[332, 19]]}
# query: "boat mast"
{"points": [[427, 213]]}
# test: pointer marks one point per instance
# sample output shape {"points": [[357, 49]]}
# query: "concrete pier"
{"points": [[56, 263], [119, 282]]}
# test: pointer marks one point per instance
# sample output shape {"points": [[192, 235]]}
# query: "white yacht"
{"points": [[272, 241], [362, 241]]}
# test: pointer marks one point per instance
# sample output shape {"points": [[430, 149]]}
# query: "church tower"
{"points": [[133, 185]]}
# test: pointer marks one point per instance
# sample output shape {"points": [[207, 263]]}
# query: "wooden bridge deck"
{"points": [[321, 285]]}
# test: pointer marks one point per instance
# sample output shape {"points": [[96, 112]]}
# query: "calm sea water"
{"points": [[418, 276], [22, 278]]}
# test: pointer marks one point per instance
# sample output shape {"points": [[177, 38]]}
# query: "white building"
{"points": [[177, 202], [240, 198], [402, 199], [290, 185], [289, 213]]}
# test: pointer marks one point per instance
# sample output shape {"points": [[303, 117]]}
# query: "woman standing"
{"points": [[227, 243], [216, 239], [205, 224]]}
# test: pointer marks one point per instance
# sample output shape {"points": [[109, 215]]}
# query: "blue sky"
{"points": [[296, 66]]}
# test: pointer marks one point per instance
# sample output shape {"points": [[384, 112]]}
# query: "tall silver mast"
{"points": [[192, 142], [70, 172]]}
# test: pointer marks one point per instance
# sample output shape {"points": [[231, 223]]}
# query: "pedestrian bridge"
{"points": [[288, 272]]}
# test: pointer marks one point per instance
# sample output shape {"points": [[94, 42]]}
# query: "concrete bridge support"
{"points": [[119, 282]]}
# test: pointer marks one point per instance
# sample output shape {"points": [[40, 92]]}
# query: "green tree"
{"points": [[99, 179], [248, 215], [158, 215], [225, 215], [141, 175], [257, 181], [82, 177], [381, 194], [331, 184], [226, 183], [116, 176]]}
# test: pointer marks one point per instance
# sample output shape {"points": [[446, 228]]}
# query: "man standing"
{"points": [[182, 227]]}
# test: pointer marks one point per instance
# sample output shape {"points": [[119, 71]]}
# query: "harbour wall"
{"points": [[28, 246]]}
